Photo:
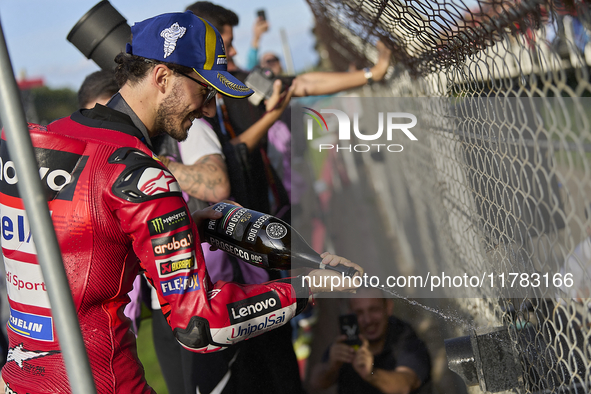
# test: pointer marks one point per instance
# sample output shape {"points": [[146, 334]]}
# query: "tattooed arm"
{"points": [[206, 179]]}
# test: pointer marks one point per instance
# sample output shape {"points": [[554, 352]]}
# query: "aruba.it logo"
{"points": [[344, 129]]}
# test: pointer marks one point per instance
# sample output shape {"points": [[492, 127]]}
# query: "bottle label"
{"points": [[276, 230], [254, 229], [238, 223], [254, 258], [231, 222]]}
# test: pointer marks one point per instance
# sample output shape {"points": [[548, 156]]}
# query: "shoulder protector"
{"points": [[142, 179]]}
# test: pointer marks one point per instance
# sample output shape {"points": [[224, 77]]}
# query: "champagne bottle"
{"points": [[263, 240]]}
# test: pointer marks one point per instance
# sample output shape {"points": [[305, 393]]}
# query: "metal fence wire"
{"points": [[507, 188]]}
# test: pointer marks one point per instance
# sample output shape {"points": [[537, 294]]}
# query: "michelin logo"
{"points": [[31, 326]]}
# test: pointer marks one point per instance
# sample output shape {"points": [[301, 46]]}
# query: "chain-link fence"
{"points": [[503, 180]]}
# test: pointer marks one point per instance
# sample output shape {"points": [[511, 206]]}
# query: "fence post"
{"points": [[48, 251]]}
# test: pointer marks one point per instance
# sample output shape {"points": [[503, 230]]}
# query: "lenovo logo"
{"points": [[253, 307]]}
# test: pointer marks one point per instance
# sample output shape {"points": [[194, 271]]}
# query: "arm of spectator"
{"points": [[319, 83], [275, 107], [325, 374], [252, 59], [206, 179], [401, 380], [259, 28]]}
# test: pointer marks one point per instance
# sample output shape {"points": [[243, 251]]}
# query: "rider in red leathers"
{"points": [[118, 211]]}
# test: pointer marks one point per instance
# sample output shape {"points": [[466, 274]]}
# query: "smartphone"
{"points": [[261, 14], [350, 328]]}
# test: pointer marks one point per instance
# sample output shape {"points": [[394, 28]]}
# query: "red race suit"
{"points": [[112, 200]]}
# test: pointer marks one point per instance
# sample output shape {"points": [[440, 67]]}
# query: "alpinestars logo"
{"points": [[155, 181], [19, 355], [171, 36]]}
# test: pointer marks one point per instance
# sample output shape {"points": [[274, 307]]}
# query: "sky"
{"points": [[36, 31]]}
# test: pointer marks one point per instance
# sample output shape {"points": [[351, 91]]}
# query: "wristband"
{"points": [[368, 75]]}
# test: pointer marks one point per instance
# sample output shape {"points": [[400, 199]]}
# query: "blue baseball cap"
{"points": [[185, 39]]}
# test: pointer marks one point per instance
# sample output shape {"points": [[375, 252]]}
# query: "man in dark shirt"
{"points": [[391, 358]]}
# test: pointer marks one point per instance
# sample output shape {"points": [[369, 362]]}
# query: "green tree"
{"points": [[50, 104]]}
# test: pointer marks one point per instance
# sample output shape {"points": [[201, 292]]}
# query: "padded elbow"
{"points": [[196, 335]]}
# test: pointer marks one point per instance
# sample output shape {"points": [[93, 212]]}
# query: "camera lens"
{"points": [[101, 34]]}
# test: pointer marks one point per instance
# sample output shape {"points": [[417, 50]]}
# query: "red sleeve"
{"points": [[147, 202]]}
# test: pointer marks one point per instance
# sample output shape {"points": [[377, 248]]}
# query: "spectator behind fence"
{"points": [[97, 88], [391, 359], [307, 84], [121, 200], [240, 121], [260, 27]]}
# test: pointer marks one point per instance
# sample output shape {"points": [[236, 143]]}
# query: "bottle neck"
{"points": [[306, 259]]}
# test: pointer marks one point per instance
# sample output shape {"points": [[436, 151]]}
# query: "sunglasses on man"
{"points": [[211, 92]]}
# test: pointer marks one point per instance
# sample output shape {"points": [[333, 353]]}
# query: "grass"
{"points": [[147, 355]]}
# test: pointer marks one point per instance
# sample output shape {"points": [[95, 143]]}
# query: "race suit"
{"points": [[110, 201]]}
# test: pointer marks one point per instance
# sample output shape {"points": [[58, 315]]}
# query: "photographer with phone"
{"points": [[260, 27], [385, 357]]}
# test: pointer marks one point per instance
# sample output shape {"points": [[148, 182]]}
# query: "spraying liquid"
{"points": [[453, 319]]}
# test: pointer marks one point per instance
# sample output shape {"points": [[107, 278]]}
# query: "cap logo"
{"points": [[232, 85], [171, 36]]}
